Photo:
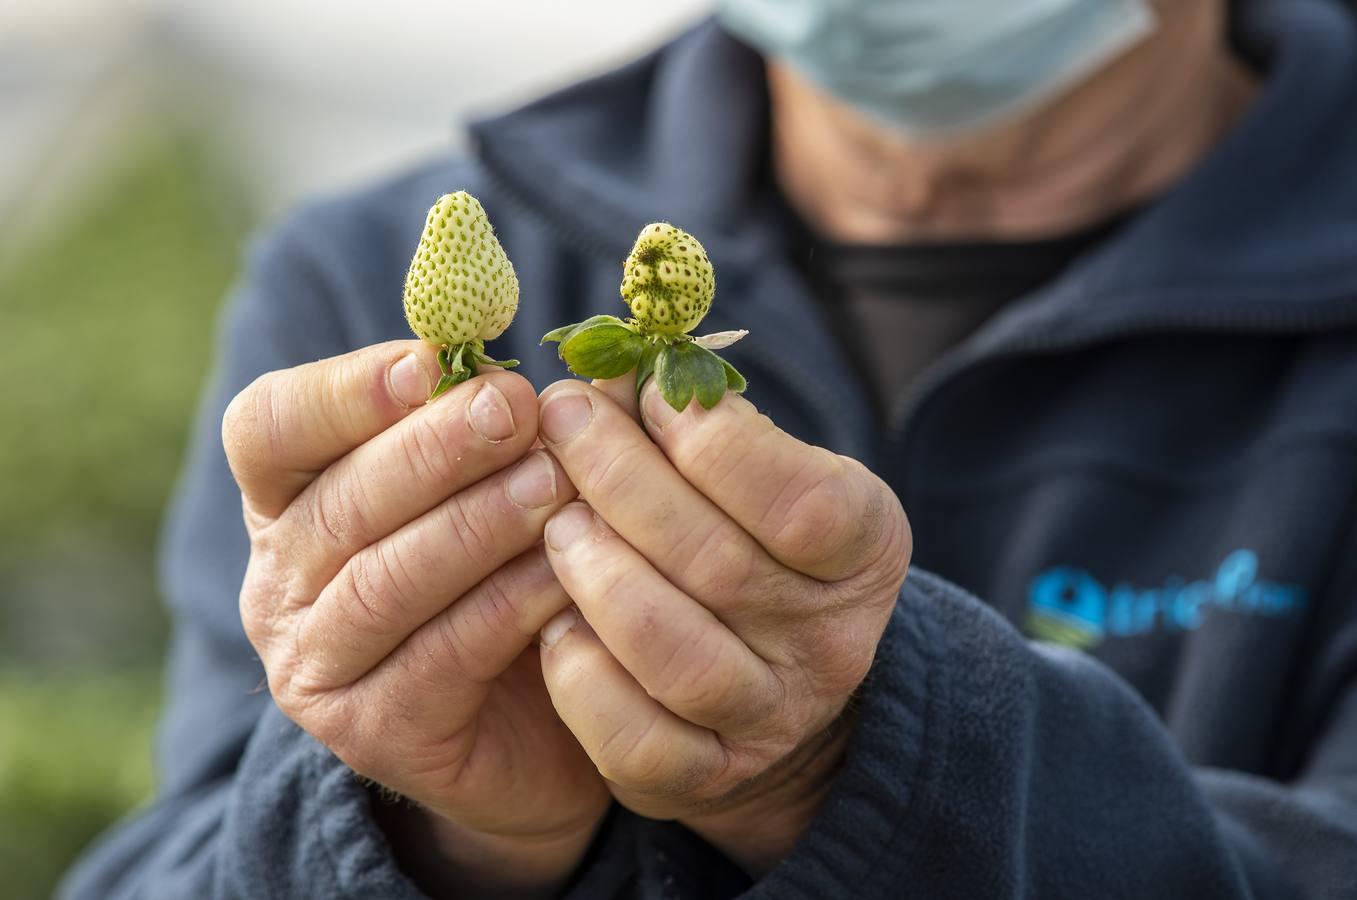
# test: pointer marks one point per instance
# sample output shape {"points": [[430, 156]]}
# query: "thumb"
{"points": [[622, 391]]}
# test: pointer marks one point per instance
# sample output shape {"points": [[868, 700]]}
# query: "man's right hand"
{"points": [[395, 587]]}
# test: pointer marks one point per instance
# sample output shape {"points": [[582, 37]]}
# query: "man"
{"points": [[1070, 282]]}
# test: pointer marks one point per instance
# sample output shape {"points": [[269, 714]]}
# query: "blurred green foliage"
{"points": [[108, 320], [74, 756], [112, 316]]}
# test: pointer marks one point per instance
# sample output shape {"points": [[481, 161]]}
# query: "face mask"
{"points": [[936, 67]]}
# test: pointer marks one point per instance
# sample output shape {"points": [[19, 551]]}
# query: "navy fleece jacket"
{"points": [[1125, 661]]}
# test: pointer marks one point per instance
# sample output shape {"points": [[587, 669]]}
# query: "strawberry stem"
{"points": [[459, 363]]}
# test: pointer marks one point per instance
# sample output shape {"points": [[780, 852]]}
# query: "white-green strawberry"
{"points": [[668, 283], [667, 280], [461, 289]]}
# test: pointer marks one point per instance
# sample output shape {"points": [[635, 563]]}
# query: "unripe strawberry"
{"points": [[461, 286], [667, 280], [461, 290]]}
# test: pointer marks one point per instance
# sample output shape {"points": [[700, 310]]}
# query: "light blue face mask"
{"points": [[938, 67]]}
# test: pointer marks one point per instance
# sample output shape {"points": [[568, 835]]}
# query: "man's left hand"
{"points": [[731, 584]]}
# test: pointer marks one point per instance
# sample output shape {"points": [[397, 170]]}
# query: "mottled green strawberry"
{"points": [[668, 283], [667, 280], [461, 289]]}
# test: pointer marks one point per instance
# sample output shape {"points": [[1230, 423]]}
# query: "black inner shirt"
{"points": [[898, 308]]}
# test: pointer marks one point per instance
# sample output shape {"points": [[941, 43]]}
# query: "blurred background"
{"points": [[141, 141]]}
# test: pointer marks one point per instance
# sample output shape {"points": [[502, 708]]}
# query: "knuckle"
{"points": [[500, 605], [358, 384], [842, 656], [294, 695], [631, 755], [327, 715], [258, 606], [719, 561], [271, 550], [457, 656], [817, 523], [698, 675], [841, 514], [762, 700], [302, 694], [612, 477], [426, 453], [467, 640], [897, 545], [292, 701], [788, 595], [885, 543], [721, 453], [374, 588], [842, 672], [337, 510], [610, 584], [271, 590], [470, 523]]}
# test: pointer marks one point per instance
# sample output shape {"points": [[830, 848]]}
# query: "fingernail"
{"points": [[657, 410], [565, 415], [489, 416], [533, 484], [560, 623], [408, 381], [568, 526]]}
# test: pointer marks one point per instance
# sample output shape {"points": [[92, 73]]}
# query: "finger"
{"points": [[480, 635], [391, 588], [622, 391], [435, 684], [628, 481], [443, 671], [287, 426], [819, 513], [645, 750], [682, 655], [482, 426]]}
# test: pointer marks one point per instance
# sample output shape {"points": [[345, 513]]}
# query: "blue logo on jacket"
{"points": [[1069, 606]]}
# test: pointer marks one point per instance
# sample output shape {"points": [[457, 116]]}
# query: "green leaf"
{"points": [[445, 384], [491, 361], [565, 332], [734, 380], [709, 378], [673, 378], [602, 350], [684, 370], [687, 369], [558, 334], [645, 367], [455, 369]]}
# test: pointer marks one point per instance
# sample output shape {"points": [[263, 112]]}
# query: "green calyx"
{"points": [[460, 363], [607, 347], [668, 283]]}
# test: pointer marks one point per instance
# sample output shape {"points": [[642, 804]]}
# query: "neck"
{"points": [[1104, 147]]}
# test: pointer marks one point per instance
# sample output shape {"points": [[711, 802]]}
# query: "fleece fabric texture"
{"points": [[1150, 464]]}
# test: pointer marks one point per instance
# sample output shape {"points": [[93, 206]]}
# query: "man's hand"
{"points": [[732, 584], [395, 586]]}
